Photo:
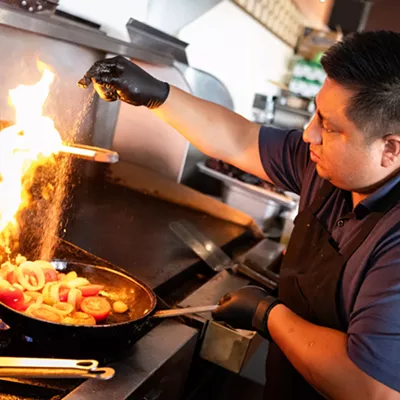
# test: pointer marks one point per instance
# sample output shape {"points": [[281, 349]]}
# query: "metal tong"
{"points": [[48, 368], [213, 256]]}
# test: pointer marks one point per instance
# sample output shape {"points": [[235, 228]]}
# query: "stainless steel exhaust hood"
{"points": [[171, 16]]}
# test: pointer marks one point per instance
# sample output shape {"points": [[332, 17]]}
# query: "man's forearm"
{"points": [[213, 129], [320, 355]]}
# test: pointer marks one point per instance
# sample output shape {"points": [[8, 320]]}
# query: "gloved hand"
{"points": [[247, 308], [118, 78]]}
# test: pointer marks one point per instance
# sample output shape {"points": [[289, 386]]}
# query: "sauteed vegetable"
{"points": [[39, 290]]}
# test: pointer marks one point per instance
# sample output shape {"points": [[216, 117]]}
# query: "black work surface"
{"points": [[131, 230]]}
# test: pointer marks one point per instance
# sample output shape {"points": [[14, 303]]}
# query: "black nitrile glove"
{"points": [[118, 78], [247, 308]]}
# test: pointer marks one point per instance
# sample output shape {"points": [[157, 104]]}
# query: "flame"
{"points": [[24, 146]]}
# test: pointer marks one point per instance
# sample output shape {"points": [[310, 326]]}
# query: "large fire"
{"points": [[24, 146]]}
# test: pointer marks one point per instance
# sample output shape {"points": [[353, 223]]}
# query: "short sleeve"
{"points": [[284, 156], [374, 329]]}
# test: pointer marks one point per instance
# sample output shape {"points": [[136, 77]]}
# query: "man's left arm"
{"points": [[320, 355]]}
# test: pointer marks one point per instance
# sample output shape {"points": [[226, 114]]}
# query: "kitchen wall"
{"points": [[316, 12], [239, 51], [384, 14], [111, 15], [225, 42]]}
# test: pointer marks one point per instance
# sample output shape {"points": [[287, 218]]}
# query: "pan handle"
{"points": [[184, 311]]}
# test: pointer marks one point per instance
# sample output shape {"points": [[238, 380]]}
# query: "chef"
{"points": [[334, 328]]}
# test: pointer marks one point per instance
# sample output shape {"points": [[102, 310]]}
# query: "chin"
{"points": [[322, 173]]}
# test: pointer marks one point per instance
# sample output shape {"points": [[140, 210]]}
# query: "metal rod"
{"points": [[53, 363], [49, 373], [91, 153]]}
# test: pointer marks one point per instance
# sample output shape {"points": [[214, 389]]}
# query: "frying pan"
{"points": [[116, 333]]}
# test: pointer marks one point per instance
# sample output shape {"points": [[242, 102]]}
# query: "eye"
{"points": [[321, 124], [327, 130]]}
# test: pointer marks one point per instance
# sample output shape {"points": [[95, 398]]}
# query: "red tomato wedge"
{"points": [[50, 275], [23, 306], [96, 306], [12, 297], [63, 293], [90, 290]]}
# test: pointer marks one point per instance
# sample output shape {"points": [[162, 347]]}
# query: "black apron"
{"points": [[309, 285]]}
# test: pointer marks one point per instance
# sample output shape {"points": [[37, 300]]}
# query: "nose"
{"points": [[312, 133]]}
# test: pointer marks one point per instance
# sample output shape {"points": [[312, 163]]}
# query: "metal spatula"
{"points": [[213, 255]]}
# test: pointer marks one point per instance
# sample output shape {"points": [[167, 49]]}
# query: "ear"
{"points": [[391, 152]]}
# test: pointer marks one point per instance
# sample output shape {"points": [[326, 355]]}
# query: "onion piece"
{"points": [[64, 308], [18, 286], [75, 298], [44, 312], [39, 300], [33, 295], [74, 283], [61, 276], [20, 259], [54, 295], [71, 276], [4, 284], [39, 274], [27, 298], [44, 264]]}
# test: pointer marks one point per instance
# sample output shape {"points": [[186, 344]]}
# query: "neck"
{"points": [[363, 194]]}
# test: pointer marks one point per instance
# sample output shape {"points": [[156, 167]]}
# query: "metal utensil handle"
{"points": [[54, 363], [250, 273], [184, 311], [50, 373], [206, 249]]}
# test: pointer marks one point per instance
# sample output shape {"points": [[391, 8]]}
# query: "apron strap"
{"points": [[324, 192]]}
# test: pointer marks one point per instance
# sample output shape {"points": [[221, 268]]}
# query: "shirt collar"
{"points": [[370, 203]]}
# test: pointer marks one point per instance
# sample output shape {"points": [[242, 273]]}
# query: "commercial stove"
{"points": [[130, 230]]}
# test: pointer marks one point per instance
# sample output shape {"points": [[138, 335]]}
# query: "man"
{"points": [[335, 329]]}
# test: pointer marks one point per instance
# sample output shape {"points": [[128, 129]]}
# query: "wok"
{"points": [[115, 334]]}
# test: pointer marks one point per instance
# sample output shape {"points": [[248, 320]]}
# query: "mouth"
{"points": [[314, 157]]}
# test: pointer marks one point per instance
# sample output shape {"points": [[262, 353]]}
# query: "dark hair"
{"points": [[369, 64]]}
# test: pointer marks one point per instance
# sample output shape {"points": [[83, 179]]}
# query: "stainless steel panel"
{"points": [[104, 124], [151, 38], [151, 353], [206, 86], [229, 348]]}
